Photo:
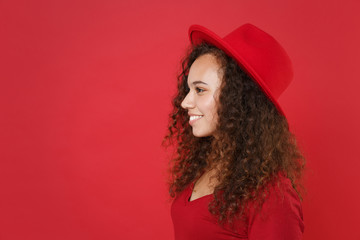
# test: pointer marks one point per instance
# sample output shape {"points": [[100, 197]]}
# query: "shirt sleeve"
{"points": [[280, 217]]}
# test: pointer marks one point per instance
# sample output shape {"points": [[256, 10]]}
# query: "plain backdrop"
{"points": [[85, 95]]}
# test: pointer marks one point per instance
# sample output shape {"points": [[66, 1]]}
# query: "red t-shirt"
{"points": [[280, 218]]}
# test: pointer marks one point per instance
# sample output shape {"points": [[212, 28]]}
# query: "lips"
{"points": [[194, 118]]}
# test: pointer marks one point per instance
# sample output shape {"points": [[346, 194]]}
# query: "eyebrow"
{"points": [[198, 82]]}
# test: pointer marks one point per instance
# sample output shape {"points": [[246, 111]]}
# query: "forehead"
{"points": [[205, 69]]}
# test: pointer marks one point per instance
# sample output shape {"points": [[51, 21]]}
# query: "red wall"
{"points": [[85, 89]]}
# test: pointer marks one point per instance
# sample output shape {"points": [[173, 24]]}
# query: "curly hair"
{"points": [[253, 144]]}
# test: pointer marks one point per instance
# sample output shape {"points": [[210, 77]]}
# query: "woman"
{"points": [[237, 169]]}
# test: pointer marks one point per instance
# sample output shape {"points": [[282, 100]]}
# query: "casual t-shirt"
{"points": [[280, 218]]}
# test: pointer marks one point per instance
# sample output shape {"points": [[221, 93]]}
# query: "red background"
{"points": [[85, 89]]}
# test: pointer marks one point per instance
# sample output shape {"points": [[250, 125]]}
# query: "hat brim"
{"points": [[198, 34]]}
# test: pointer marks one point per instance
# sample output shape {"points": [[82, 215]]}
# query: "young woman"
{"points": [[237, 171]]}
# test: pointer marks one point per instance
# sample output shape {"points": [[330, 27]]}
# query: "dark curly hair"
{"points": [[253, 143]]}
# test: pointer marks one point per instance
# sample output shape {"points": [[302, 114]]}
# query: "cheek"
{"points": [[209, 108]]}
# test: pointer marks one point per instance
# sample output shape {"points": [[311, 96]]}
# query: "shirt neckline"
{"points": [[189, 193]]}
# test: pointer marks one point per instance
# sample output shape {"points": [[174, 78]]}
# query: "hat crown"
{"points": [[264, 55]]}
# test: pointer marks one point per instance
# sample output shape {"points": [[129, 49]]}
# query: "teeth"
{"points": [[195, 117]]}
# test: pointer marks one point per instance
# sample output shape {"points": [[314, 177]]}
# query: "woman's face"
{"points": [[201, 101]]}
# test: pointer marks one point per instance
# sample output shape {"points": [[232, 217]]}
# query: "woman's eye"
{"points": [[199, 89]]}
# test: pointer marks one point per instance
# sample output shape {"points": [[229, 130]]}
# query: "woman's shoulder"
{"points": [[281, 193], [280, 213]]}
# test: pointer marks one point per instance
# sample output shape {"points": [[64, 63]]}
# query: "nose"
{"points": [[188, 102]]}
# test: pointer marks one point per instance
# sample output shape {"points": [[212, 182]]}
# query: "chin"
{"points": [[199, 134]]}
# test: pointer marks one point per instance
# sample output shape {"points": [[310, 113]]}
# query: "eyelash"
{"points": [[199, 89]]}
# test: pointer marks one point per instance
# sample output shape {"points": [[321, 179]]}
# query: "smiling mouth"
{"points": [[194, 119]]}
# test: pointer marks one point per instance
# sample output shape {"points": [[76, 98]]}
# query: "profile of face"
{"points": [[204, 82]]}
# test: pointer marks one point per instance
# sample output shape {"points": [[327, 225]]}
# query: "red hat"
{"points": [[257, 53]]}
